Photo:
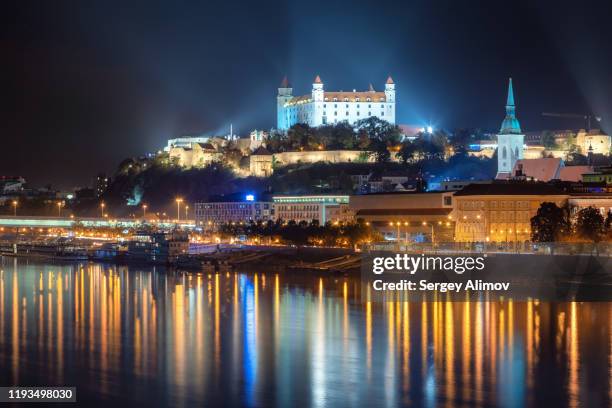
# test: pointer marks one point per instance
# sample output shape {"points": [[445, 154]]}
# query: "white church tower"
{"points": [[509, 140]]}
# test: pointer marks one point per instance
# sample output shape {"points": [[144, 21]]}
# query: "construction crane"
{"points": [[586, 117]]}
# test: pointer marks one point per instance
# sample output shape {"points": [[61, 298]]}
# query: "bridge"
{"points": [[64, 222]]}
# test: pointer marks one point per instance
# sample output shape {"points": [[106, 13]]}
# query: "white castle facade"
{"points": [[322, 107]]}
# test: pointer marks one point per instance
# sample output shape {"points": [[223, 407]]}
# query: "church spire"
{"points": [[510, 100], [510, 125]]}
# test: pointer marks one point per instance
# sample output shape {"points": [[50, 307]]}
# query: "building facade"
{"points": [[197, 155], [322, 107], [236, 208], [500, 212], [407, 216], [321, 208], [593, 141], [510, 139]]}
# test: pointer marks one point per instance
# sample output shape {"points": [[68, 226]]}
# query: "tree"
{"points": [[378, 129], [408, 151], [344, 135], [380, 150], [461, 140], [300, 136], [547, 139], [550, 223], [590, 224]]}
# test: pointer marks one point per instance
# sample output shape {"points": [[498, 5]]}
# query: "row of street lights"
{"points": [[178, 201], [398, 224], [60, 204]]}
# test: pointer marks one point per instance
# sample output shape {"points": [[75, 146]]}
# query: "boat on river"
{"points": [[54, 250]]}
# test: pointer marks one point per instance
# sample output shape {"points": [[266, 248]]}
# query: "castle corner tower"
{"points": [[509, 140], [285, 93]]}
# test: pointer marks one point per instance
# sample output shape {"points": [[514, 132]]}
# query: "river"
{"points": [[149, 336]]}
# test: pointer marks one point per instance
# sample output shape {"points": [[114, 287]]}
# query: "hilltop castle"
{"points": [[322, 107]]}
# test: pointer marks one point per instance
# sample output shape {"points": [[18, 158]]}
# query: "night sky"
{"points": [[88, 83]]}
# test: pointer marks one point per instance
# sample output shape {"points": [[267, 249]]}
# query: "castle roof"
{"points": [[341, 96], [510, 125], [317, 80], [509, 188], [390, 80], [285, 83]]}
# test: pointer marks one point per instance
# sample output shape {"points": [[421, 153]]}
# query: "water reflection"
{"points": [[266, 339]]}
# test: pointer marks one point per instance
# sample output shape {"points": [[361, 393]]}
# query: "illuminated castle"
{"points": [[321, 107], [509, 140]]}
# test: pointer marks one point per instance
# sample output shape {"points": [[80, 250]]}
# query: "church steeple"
{"points": [[510, 125], [510, 140]]}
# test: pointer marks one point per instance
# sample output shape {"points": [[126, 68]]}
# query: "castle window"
{"points": [[357, 99], [335, 99], [504, 153], [347, 105], [382, 113], [346, 113], [369, 106], [368, 100], [382, 99], [369, 113], [357, 113], [345, 99], [335, 113], [326, 99], [382, 106], [335, 104], [325, 105]]}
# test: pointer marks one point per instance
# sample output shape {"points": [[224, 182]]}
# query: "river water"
{"points": [[148, 336]]}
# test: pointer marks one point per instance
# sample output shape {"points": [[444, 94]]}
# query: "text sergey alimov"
{"points": [[401, 264]]}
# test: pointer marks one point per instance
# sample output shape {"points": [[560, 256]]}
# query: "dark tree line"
{"points": [[552, 224], [303, 233]]}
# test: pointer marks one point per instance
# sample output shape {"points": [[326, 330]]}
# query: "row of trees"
{"points": [[553, 223], [360, 136], [304, 233]]}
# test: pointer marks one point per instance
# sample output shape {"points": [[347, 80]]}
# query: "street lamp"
{"points": [[15, 207], [59, 208], [186, 212], [178, 208], [144, 211], [102, 205]]}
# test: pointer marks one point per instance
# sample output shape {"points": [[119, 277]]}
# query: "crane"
{"points": [[586, 117]]}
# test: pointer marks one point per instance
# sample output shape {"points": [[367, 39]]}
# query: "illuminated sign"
{"points": [[250, 197]]}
